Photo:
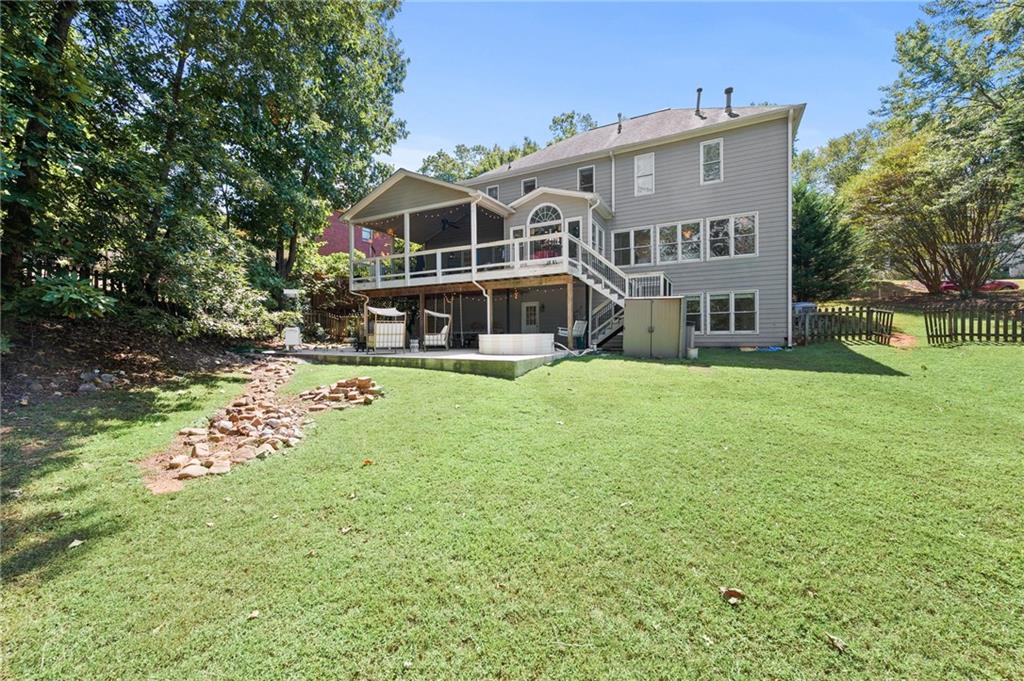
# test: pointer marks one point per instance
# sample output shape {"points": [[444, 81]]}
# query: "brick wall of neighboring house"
{"points": [[336, 239]]}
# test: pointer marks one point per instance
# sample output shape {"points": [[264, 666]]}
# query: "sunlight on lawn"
{"points": [[577, 522]]}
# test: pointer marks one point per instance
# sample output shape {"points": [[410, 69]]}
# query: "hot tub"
{"points": [[517, 343]]}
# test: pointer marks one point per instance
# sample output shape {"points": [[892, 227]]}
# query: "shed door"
{"points": [[665, 318], [636, 335]]}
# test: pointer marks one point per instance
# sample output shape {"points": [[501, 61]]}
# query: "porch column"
{"points": [[489, 297], [405, 238], [351, 254], [472, 252], [568, 313]]}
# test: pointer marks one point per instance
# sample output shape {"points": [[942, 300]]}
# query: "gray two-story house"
{"points": [[683, 202]]}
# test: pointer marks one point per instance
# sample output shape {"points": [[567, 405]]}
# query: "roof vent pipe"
{"points": [[620, 122], [697, 112], [728, 101]]}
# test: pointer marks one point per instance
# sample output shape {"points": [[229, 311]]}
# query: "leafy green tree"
{"points": [[962, 78], [568, 124], [469, 161], [831, 166], [828, 261]]}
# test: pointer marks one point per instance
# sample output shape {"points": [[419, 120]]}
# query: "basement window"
{"points": [[733, 312]]}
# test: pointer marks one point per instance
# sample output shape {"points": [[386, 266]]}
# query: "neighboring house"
{"points": [[367, 241], [685, 202]]}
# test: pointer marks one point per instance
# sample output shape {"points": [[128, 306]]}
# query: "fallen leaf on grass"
{"points": [[74, 543], [836, 642], [253, 615], [731, 595], [310, 553], [346, 530], [367, 462], [209, 524]]}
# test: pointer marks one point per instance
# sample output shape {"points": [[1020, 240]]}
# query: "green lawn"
{"points": [[576, 523]]}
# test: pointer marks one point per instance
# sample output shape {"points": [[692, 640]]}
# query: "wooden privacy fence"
{"points": [[975, 322], [337, 327], [843, 323]]}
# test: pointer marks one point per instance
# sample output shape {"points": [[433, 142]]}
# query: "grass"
{"points": [[576, 523]]}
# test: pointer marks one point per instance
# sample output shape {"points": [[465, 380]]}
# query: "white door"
{"points": [[531, 318]]}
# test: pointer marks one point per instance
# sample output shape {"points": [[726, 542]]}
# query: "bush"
{"points": [[63, 295]]}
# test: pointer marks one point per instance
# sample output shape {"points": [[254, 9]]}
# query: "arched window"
{"points": [[545, 213]]}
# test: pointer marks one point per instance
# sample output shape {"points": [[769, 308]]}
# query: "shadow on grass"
{"points": [[47, 438], [835, 358]]}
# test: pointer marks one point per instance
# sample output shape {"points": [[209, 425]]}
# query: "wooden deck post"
{"points": [[423, 317], [568, 314]]}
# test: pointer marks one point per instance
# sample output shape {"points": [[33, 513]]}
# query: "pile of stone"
{"points": [[341, 394], [259, 423], [98, 380]]}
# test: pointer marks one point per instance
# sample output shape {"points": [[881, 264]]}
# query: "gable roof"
{"points": [[447, 187], [658, 126], [590, 197]]}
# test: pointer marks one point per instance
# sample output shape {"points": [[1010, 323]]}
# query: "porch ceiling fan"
{"points": [[447, 224]]}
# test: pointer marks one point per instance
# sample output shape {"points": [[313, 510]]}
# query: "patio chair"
{"points": [[579, 330]]}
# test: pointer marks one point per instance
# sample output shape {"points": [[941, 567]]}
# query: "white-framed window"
{"points": [[633, 246], [712, 163], [732, 236], [528, 185], [732, 312], [694, 310], [597, 237], [585, 179], [643, 174], [366, 233], [492, 192], [680, 241]]}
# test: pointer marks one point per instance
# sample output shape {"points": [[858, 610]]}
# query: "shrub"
{"points": [[63, 295]]}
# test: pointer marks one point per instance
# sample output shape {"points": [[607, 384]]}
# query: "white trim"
{"points": [[678, 224], [699, 295], [593, 178], [602, 209], [400, 174], [561, 217], [732, 236], [789, 231], [522, 185], [522, 315], [612, 155], [636, 176], [632, 246], [497, 191], [732, 312], [721, 161], [742, 121]]}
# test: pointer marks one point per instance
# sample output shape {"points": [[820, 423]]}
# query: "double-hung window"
{"points": [[732, 236], [643, 174], [694, 311], [633, 246], [679, 241], [733, 312], [528, 185], [585, 179], [711, 161], [492, 192]]}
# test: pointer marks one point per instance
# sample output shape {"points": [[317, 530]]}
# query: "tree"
{"points": [[827, 254], [831, 166], [565, 125], [962, 79], [890, 202], [469, 161]]}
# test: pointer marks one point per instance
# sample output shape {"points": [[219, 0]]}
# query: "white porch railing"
{"points": [[649, 284]]}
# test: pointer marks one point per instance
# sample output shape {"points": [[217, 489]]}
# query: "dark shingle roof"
{"points": [[636, 130]]}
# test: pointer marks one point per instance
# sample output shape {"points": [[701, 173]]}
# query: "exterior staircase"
{"points": [[614, 285]]}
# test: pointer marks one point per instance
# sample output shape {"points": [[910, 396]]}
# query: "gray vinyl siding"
{"points": [[755, 180], [563, 177], [409, 193], [755, 172]]}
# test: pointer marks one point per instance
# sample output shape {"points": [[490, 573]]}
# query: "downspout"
{"points": [[789, 232], [611, 155]]}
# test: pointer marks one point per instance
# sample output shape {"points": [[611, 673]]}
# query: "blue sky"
{"points": [[494, 72]]}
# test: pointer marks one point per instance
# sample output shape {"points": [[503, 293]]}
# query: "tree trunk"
{"points": [[293, 247], [34, 141]]}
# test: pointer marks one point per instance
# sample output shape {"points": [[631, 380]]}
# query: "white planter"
{"points": [[517, 343], [292, 336]]}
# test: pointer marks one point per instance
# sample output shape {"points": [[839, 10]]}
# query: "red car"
{"points": [[988, 286]]}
